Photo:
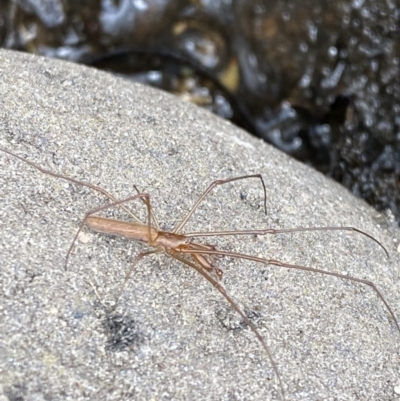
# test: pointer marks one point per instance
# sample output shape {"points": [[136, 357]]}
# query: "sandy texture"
{"points": [[173, 337]]}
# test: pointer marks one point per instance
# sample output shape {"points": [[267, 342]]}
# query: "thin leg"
{"points": [[297, 267], [283, 231], [153, 215], [77, 182], [146, 199], [129, 274], [215, 184], [237, 309]]}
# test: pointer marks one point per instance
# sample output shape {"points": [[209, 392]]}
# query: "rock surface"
{"points": [[172, 336]]}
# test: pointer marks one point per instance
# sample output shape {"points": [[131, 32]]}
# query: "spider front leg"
{"points": [[215, 184]]}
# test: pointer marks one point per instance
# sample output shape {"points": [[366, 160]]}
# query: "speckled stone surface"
{"points": [[172, 335]]}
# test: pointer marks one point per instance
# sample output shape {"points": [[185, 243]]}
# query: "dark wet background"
{"points": [[318, 79]]}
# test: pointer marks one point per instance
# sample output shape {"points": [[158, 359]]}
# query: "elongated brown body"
{"points": [[136, 231]]}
